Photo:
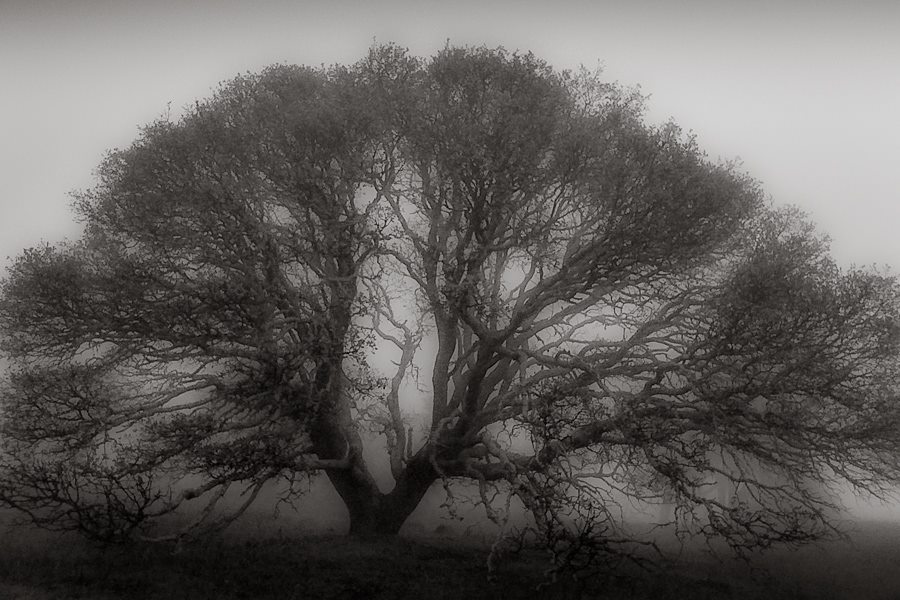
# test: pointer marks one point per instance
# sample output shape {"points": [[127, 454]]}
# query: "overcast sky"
{"points": [[807, 94]]}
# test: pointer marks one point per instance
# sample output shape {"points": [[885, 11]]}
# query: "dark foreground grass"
{"points": [[338, 567]]}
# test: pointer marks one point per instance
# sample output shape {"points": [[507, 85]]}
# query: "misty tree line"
{"points": [[610, 317]]}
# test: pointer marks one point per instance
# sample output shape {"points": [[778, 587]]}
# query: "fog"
{"points": [[803, 94]]}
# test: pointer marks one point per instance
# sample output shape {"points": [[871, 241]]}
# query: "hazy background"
{"points": [[805, 93]]}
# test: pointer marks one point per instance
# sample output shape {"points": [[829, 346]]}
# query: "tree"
{"points": [[609, 316]]}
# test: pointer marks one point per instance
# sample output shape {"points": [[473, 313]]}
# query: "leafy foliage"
{"points": [[613, 318]]}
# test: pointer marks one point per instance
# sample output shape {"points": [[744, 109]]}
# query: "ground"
{"points": [[337, 567]]}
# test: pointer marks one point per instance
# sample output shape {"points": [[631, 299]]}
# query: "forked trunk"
{"points": [[373, 513]]}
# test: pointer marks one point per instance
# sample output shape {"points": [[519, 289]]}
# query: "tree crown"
{"points": [[609, 314]]}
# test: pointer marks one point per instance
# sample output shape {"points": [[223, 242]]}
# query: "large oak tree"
{"points": [[610, 316]]}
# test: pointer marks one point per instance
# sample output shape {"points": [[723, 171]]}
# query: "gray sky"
{"points": [[806, 93]]}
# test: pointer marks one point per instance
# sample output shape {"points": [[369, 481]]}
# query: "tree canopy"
{"points": [[605, 316]]}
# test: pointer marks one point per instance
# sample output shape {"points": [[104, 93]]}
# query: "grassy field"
{"points": [[337, 567]]}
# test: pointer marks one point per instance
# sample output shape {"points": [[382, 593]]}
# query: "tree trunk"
{"points": [[381, 515], [335, 435], [373, 513]]}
